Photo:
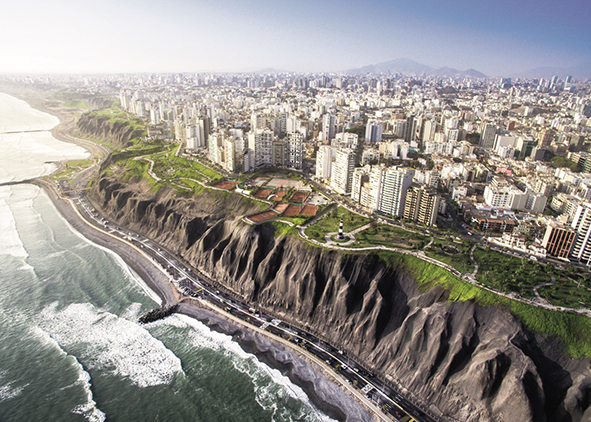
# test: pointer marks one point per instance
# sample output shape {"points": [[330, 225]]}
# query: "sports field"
{"points": [[225, 184], [281, 183]]}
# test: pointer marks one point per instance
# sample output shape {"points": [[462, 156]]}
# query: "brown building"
{"points": [[558, 240], [421, 204]]}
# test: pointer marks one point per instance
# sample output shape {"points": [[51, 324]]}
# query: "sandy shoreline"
{"points": [[320, 386]]}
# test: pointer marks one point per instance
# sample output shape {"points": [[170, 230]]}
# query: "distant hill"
{"points": [[580, 72], [410, 67], [404, 66]]}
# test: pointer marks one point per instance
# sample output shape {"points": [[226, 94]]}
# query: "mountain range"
{"points": [[410, 67]]}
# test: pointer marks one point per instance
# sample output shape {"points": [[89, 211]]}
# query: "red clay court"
{"points": [[309, 210], [267, 215], [263, 193], [299, 197], [225, 184], [280, 194], [280, 208], [292, 210]]}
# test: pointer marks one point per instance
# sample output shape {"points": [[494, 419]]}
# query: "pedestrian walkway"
{"points": [[350, 235]]}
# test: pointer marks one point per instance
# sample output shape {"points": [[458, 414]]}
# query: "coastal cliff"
{"points": [[463, 361], [118, 132]]}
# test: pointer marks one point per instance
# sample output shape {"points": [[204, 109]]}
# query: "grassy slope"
{"points": [[574, 329]]}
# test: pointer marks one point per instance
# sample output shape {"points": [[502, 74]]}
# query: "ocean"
{"points": [[71, 348]]}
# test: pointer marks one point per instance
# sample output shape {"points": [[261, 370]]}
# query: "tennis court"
{"points": [[263, 193], [267, 215], [299, 197], [281, 183], [260, 181]]}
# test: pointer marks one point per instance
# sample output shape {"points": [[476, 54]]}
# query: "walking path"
{"points": [[350, 235], [540, 298], [150, 169]]}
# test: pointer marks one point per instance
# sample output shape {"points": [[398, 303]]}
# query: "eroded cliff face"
{"points": [[118, 133], [465, 362]]}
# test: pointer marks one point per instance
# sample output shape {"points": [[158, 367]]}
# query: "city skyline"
{"points": [[499, 39]]}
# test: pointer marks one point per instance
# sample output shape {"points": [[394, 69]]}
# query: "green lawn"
{"points": [[510, 274], [455, 254], [567, 292], [330, 223], [394, 237], [282, 229]]}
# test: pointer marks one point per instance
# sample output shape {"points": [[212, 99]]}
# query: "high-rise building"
{"points": [[373, 132], [546, 137], [324, 158], [216, 148], [582, 226], [393, 184], [278, 155], [525, 146], [261, 142], [410, 134], [229, 154], [248, 160], [342, 176], [328, 126], [360, 178], [428, 130], [154, 116], [421, 205], [294, 155], [558, 240], [487, 135], [399, 128]]}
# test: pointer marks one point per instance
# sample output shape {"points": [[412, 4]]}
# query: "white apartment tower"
{"points": [[328, 126], [342, 176], [261, 142], [230, 154], [393, 184], [216, 148], [294, 155], [582, 225], [324, 158]]}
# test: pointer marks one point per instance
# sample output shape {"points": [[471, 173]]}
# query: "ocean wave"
{"points": [[88, 409], [270, 385], [120, 262], [10, 241], [8, 390], [107, 342], [26, 267], [132, 312]]}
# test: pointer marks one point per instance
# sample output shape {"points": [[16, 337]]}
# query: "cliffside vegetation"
{"points": [[573, 329], [111, 126]]}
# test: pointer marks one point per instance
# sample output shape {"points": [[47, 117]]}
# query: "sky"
{"points": [[496, 37]]}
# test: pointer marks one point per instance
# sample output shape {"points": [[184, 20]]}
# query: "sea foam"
{"points": [[10, 242], [269, 383], [107, 342]]}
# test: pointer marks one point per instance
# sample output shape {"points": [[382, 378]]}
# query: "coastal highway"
{"points": [[390, 401]]}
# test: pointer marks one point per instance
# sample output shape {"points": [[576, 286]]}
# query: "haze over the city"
{"points": [[500, 37]]}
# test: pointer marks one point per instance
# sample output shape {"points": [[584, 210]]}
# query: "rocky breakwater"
{"points": [[463, 361]]}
